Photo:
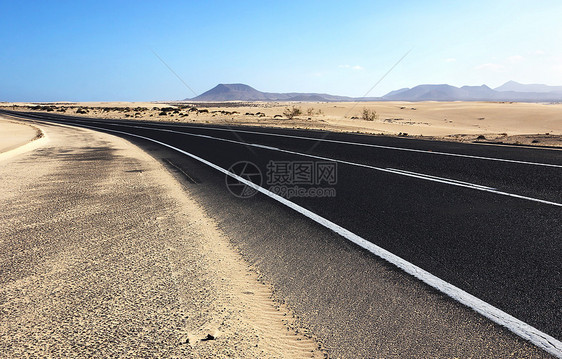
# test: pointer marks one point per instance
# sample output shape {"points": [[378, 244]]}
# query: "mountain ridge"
{"points": [[517, 87], [510, 91]]}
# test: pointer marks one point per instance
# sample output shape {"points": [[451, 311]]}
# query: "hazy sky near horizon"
{"points": [[104, 50]]}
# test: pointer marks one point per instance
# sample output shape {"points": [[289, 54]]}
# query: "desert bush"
{"points": [[310, 111], [368, 115], [292, 112]]}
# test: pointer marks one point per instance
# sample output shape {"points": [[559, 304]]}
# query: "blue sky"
{"points": [[103, 50]]}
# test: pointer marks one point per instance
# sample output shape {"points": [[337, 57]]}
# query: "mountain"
{"points": [[232, 92], [510, 91], [441, 93], [396, 92], [517, 87], [425, 92], [242, 92], [476, 93]]}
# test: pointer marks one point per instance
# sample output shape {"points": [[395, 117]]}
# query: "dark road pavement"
{"points": [[484, 218]]}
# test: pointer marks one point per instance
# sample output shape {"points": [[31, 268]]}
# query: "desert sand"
{"points": [[505, 122], [104, 254], [15, 134], [18, 137]]}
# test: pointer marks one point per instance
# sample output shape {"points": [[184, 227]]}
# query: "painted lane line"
{"points": [[442, 178], [345, 143], [388, 147], [387, 170], [371, 145], [520, 328]]}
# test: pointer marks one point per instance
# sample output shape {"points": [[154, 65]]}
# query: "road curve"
{"points": [[485, 219]]}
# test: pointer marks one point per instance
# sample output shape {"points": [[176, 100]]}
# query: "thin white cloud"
{"points": [[539, 52], [515, 59], [450, 59], [356, 67], [490, 67], [557, 69]]}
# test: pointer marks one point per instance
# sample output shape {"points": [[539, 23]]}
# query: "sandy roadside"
{"points": [[504, 122], [15, 134], [103, 253]]}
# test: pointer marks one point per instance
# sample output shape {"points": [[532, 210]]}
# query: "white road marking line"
{"points": [[388, 170], [522, 329], [441, 178], [376, 146], [355, 144]]}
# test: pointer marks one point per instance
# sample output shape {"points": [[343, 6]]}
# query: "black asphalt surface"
{"points": [[504, 250]]}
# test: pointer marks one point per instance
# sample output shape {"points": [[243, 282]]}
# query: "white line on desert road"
{"points": [[421, 176], [355, 144], [387, 170], [375, 146], [441, 178], [522, 329]]}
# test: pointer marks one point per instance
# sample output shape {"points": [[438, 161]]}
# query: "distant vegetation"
{"points": [[369, 115], [292, 112]]}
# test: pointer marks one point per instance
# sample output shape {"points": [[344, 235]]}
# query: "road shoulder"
{"points": [[18, 137], [103, 253]]}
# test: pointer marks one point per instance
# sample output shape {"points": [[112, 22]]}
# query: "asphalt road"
{"points": [[485, 218]]}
